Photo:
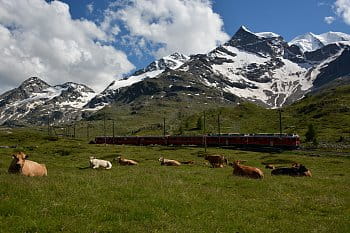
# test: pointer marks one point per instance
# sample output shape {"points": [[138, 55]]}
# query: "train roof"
{"points": [[215, 135]]}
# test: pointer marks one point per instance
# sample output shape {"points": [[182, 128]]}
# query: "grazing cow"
{"points": [[295, 170], [96, 163], [269, 166], [125, 162], [21, 165], [241, 170], [168, 162], [216, 160]]}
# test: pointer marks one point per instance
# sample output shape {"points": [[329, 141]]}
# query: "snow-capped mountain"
{"points": [[154, 69], [311, 42], [259, 67], [34, 100], [262, 67]]}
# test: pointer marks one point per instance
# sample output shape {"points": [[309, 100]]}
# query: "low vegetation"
{"points": [[328, 112], [153, 198]]}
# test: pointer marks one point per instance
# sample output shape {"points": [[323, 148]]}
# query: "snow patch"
{"points": [[310, 42]]}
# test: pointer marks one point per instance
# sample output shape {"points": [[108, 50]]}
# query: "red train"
{"points": [[288, 141]]}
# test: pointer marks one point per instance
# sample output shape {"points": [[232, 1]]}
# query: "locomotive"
{"points": [[286, 141]]}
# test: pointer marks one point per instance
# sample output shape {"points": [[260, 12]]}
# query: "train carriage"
{"points": [[152, 140], [185, 140], [235, 140]]}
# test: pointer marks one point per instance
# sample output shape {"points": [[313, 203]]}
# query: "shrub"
{"points": [[310, 135], [199, 123]]}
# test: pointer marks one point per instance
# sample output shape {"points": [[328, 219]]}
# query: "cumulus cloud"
{"points": [[167, 26], [342, 8], [329, 19], [41, 39]]}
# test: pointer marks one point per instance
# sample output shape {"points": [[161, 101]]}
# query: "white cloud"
{"points": [[329, 19], [321, 4], [342, 8], [186, 26], [90, 7], [41, 39]]}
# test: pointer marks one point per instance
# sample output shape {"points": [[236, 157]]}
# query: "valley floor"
{"points": [[153, 198]]}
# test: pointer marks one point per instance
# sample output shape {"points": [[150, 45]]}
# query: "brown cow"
{"points": [[21, 165], [241, 170], [125, 162]]}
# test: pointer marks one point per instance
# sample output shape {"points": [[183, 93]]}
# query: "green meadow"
{"points": [[153, 198]]}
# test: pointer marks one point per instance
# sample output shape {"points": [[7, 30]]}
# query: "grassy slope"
{"points": [[328, 111], [152, 198]]}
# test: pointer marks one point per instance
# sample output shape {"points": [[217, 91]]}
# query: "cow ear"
{"points": [[14, 156], [25, 156]]}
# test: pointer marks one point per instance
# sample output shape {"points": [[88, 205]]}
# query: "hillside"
{"points": [[328, 110]]}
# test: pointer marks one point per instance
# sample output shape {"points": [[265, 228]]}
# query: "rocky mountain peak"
{"points": [[71, 86], [242, 36], [33, 84], [263, 44], [31, 101], [179, 56]]}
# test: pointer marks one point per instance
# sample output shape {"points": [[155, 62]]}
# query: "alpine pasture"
{"points": [[153, 198]]}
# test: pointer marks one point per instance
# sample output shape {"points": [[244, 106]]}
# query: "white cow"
{"points": [[169, 162], [96, 163]]}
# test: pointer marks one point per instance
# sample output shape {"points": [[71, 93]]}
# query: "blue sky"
{"points": [[95, 42], [288, 18]]}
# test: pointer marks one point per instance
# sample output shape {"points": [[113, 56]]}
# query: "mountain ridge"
{"points": [[256, 67]]}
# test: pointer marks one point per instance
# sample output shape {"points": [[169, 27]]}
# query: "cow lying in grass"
{"points": [[125, 162], [96, 163], [168, 162], [295, 170], [216, 160], [241, 170], [21, 165]]}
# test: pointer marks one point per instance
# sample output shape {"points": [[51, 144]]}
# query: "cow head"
{"points": [[302, 168], [240, 161], [161, 159], [19, 159], [91, 159]]}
